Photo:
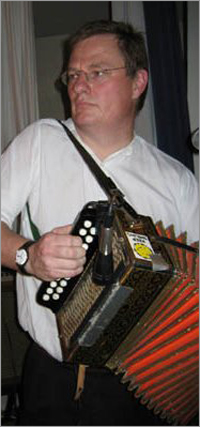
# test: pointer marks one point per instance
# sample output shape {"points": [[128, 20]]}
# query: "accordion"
{"points": [[134, 309]]}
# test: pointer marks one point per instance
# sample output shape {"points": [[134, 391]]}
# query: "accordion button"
{"points": [[46, 297], [87, 223], [89, 239], [63, 283], [53, 284], [59, 290], [82, 231], [49, 291], [93, 231], [85, 246], [55, 296]]}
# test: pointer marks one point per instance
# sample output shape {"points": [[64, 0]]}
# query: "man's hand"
{"points": [[56, 254]]}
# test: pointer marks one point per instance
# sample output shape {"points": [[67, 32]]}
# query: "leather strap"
{"points": [[80, 381], [106, 183]]}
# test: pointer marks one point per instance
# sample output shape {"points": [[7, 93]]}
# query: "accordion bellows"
{"points": [[145, 325], [160, 357]]}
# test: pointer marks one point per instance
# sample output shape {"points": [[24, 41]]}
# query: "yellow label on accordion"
{"points": [[141, 245]]}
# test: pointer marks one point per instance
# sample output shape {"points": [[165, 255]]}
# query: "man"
{"points": [[107, 77]]}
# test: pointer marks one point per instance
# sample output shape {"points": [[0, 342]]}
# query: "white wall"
{"points": [[49, 64]]}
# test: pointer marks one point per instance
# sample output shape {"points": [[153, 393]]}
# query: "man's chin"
{"points": [[84, 113], [83, 119]]}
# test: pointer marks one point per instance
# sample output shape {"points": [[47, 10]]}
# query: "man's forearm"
{"points": [[10, 242]]}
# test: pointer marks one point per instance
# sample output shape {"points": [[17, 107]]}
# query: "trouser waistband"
{"points": [[80, 370], [69, 365]]}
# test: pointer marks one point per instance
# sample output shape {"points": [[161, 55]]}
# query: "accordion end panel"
{"points": [[159, 359], [95, 320]]}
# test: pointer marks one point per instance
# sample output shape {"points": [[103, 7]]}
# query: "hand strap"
{"points": [[106, 183]]}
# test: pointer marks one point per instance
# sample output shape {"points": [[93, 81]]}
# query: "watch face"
{"points": [[21, 256]]}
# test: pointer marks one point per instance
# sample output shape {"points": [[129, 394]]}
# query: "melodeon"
{"points": [[144, 323]]}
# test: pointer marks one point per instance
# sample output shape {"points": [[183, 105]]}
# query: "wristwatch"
{"points": [[22, 257]]}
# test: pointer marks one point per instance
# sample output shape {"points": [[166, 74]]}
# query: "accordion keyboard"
{"points": [[53, 294]]}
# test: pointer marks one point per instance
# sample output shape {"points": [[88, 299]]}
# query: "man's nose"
{"points": [[81, 83]]}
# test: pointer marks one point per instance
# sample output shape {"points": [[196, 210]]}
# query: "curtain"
{"points": [[19, 83], [168, 80]]}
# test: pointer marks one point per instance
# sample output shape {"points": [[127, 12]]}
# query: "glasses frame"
{"points": [[87, 75]]}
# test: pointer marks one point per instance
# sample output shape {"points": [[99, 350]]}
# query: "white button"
{"points": [[87, 224], [55, 296], [49, 291], [89, 239], [82, 231], [59, 290], [63, 283], [85, 246], [53, 284], [93, 231], [46, 297]]}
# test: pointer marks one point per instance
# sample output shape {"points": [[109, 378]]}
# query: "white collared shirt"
{"points": [[42, 166]]}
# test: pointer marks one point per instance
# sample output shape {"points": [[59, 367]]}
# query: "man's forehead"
{"points": [[95, 47], [97, 38]]}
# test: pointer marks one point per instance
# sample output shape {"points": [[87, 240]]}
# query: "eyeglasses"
{"points": [[68, 78]]}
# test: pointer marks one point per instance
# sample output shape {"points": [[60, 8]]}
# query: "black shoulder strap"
{"points": [[106, 183]]}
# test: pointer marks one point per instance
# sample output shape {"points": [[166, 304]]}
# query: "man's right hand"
{"points": [[56, 254]]}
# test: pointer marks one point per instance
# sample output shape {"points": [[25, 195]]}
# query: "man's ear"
{"points": [[139, 83]]}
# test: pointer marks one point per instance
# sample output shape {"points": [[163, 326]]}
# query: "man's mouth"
{"points": [[81, 104]]}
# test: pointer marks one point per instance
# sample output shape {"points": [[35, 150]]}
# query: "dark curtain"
{"points": [[168, 80]]}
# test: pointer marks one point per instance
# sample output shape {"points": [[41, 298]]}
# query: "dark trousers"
{"points": [[48, 396]]}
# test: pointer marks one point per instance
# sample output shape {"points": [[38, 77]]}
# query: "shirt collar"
{"points": [[123, 152]]}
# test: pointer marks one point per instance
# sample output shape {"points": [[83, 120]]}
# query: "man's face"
{"points": [[107, 100]]}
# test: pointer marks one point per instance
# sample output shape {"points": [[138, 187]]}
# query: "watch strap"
{"points": [[25, 246]]}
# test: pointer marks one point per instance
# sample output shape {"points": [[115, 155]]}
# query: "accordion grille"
{"points": [[76, 308]]}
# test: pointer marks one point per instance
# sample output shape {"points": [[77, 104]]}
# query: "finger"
{"points": [[73, 241], [67, 258], [69, 273], [65, 229], [69, 269], [63, 240], [72, 252]]}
